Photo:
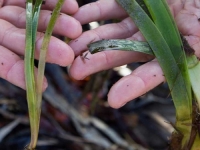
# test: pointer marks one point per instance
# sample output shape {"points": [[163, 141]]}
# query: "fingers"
{"points": [[69, 6], [12, 68], [100, 10], [58, 51], [65, 25], [124, 29], [82, 67], [136, 84]]}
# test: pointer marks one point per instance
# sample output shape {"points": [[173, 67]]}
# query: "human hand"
{"points": [[12, 37], [145, 77]]}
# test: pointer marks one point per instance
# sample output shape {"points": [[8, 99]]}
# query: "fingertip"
{"points": [[58, 52], [113, 104], [66, 56], [73, 28], [124, 90], [77, 69], [81, 11], [70, 6], [65, 25]]}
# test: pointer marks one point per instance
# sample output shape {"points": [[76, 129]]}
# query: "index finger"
{"points": [[69, 6]]}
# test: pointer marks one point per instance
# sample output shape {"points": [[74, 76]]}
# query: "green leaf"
{"points": [[29, 74]]}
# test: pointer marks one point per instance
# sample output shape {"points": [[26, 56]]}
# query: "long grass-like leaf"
{"points": [[29, 74], [32, 17], [36, 13], [43, 51], [166, 25]]}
